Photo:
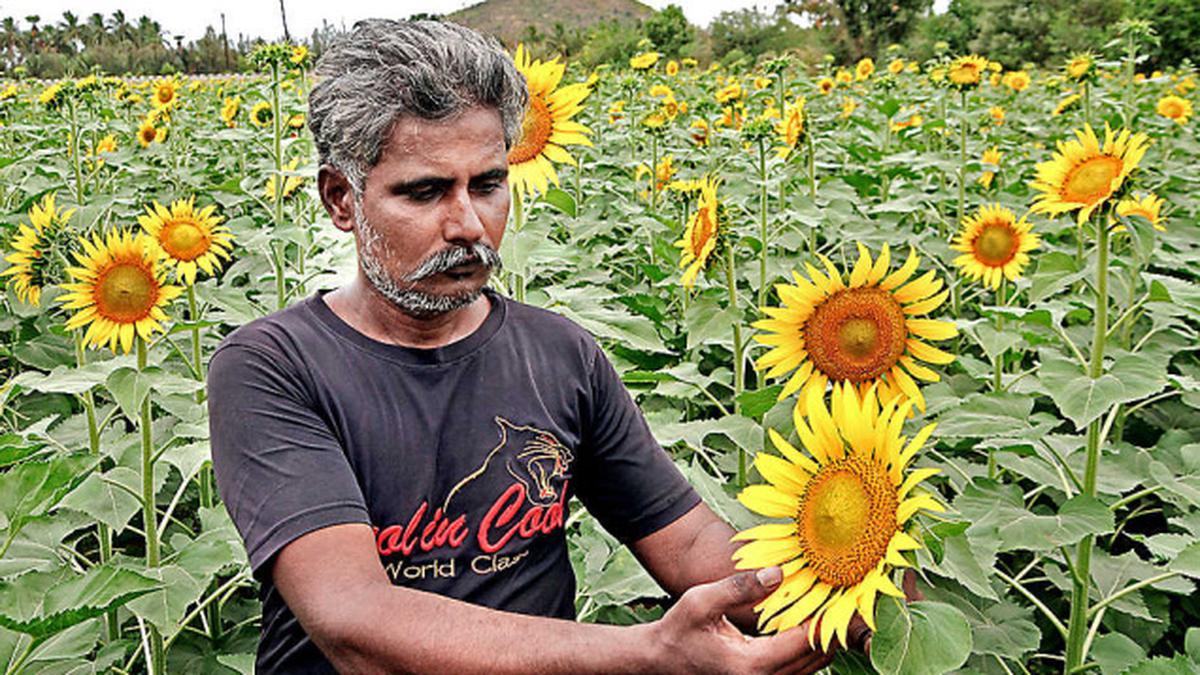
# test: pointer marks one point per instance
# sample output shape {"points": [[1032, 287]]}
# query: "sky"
{"points": [[261, 17]]}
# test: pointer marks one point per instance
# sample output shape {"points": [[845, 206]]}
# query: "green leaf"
{"points": [[104, 501], [1055, 271], [128, 388], [1115, 652], [33, 488], [995, 343], [969, 561], [1078, 517], [715, 495], [992, 414], [72, 379], [756, 403], [1187, 562], [924, 638], [1191, 644], [65, 604], [560, 200]]}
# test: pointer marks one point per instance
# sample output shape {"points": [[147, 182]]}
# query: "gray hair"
{"points": [[384, 70]]}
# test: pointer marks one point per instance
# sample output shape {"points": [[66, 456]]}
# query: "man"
{"points": [[399, 453]]}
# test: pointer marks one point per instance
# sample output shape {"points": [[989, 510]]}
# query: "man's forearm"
{"points": [[715, 537], [401, 630]]}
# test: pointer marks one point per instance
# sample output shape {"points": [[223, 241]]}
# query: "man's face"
{"points": [[433, 211]]}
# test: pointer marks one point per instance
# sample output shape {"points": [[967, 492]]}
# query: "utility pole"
{"points": [[225, 41], [283, 13]]}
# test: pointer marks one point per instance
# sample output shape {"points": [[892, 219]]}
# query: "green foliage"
{"points": [[1177, 23], [669, 31]]}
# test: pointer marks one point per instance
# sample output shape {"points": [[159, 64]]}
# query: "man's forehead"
{"points": [[476, 133]]}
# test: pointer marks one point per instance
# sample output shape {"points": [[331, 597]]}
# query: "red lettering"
{"points": [[410, 542], [388, 539], [458, 532], [500, 514]]}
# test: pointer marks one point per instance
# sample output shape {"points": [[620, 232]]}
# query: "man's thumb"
{"points": [[739, 589]]}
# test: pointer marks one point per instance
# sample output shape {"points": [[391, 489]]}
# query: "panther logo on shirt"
{"points": [[532, 456]]}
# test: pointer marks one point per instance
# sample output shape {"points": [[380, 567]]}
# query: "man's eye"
{"points": [[423, 195], [488, 187]]}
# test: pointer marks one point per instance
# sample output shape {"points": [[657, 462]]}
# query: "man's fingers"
{"points": [[719, 597], [857, 634], [778, 653]]}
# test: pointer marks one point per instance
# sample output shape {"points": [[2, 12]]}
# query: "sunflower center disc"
{"points": [[1092, 181], [856, 334], [995, 245], [535, 132], [125, 293], [846, 520], [184, 240]]}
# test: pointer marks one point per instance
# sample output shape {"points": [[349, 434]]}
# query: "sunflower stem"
{"points": [[812, 181], [149, 516], [762, 221], [1079, 592], [1130, 60], [1087, 103], [738, 356], [194, 317], [998, 364], [887, 143], [962, 160], [103, 535], [278, 250], [653, 180], [75, 159], [518, 201]]}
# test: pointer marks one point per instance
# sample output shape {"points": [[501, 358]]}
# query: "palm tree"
{"points": [[97, 32], [70, 33]]}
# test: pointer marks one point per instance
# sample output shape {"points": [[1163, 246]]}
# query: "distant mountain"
{"points": [[509, 20]]}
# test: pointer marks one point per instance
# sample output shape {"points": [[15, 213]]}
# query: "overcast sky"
{"points": [[261, 17]]}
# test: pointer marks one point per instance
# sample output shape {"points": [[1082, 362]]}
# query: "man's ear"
{"points": [[338, 197]]}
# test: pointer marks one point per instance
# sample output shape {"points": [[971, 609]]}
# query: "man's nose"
{"points": [[461, 222]]}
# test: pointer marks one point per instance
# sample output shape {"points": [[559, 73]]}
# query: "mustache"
{"points": [[450, 258]]}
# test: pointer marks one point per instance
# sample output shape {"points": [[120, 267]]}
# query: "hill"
{"points": [[509, 20]]}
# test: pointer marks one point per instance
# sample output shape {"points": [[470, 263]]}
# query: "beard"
{"points": [[402, 292]]}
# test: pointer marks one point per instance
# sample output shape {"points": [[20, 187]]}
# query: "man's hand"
{"points": [[695, 637]]}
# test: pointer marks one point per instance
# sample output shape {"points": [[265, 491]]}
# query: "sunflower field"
{"points": [[886, 316]]}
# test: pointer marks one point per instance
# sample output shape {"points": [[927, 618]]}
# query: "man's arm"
{"points": [[333, 582]]}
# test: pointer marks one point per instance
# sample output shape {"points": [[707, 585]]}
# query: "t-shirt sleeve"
{"points": [[280, 469], [627, 481]]}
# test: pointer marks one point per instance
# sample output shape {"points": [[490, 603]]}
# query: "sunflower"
{"points": [[730, 92], [994, 244], [148, 134], [791, 128], [1017, 80], [990, 156], [188, 237], [261, 114], [120, 290], [700, 238], [864, 332], [826, 85], [290, 183], [848, 107], [1083, 173], [229, 110], [845, 505], [997, 115], [699, 130], [1174, 108], [843, 76], [896, 66], [104, 145], [641, 61], [165, 93], [547, 126], [908, 119], [51, 96], [966, 72], [1067, 103], [1148, 207], [672, 68], [299, 55], [1079, 66], [29, 257], [864, 68]]}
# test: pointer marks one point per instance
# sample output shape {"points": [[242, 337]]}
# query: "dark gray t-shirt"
{"points": [[462, 458]]}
